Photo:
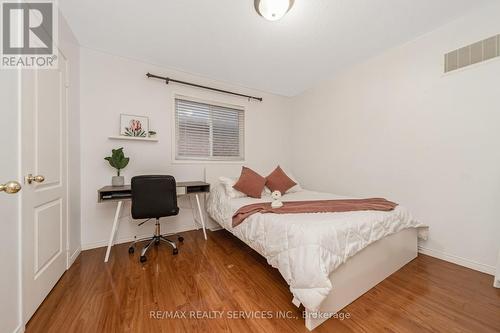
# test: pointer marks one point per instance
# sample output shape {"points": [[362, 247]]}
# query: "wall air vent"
{"points": [[472, 54]]}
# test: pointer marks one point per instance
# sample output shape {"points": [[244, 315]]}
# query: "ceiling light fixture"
{"points": [[273, 10]]}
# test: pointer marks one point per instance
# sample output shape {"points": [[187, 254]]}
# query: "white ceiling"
{"points": [[226, 40]]}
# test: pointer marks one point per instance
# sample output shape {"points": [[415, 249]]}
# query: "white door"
{"points": [[9, 202], [44, 200]]}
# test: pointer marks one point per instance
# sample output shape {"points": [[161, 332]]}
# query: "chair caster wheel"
{"points": [[180, 239], [131, 250], [176, 251], [143, 259]]}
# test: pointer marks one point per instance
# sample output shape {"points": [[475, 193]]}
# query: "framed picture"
{"points": [[136, 126]]}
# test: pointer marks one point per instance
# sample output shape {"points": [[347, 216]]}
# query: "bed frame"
{"points": [[359, 273], [365, 270]]}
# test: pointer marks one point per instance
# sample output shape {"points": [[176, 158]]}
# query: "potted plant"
{"points": [[118, 161]]}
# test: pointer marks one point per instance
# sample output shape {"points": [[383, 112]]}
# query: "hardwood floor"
{"points": [[223, 274]]}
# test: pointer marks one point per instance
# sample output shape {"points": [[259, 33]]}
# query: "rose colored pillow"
{"points": [[250, 183], [279, 181]]}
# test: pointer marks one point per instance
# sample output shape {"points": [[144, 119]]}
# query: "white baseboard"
{"points": [[121, 240], [95, 245], [73, 257], [216, 228], [430, 252], [19, 329], [458, 260]]}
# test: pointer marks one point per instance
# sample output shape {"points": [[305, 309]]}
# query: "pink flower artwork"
{"points": [[134, 127]]}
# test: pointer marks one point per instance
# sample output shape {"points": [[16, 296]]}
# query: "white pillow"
{"points": [[228, 184], [231, 192]]}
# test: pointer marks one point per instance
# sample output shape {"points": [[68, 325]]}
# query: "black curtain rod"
{"points": [[168, 80]]}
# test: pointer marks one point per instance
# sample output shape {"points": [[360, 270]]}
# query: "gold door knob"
{"points": [[30, 178], [10, 187]]}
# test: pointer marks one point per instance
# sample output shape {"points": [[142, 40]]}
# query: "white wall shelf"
{"points": [[122, 137]]}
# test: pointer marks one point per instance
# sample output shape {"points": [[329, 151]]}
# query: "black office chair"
{"points": [[154, 197]]}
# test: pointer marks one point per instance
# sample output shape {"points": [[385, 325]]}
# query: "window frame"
{"points": [[210, 159]]}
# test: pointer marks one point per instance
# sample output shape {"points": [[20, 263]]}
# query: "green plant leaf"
{"points": [[122, 163], [117, 159]]}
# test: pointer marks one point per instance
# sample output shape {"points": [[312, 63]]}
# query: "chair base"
{"points": [[156, 239]]}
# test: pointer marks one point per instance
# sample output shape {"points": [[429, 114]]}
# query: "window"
{"points": [[208, 132]]}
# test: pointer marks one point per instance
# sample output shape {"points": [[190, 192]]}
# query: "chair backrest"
{"points": [[153, 197]]}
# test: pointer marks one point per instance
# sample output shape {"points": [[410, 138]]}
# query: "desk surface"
{"points": [[125, 188], [196, 186]]}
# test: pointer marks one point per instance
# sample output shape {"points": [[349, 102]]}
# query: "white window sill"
{"points": [[207, 162]]}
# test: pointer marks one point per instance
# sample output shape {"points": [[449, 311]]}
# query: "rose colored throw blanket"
{"points": [[316, 206]]}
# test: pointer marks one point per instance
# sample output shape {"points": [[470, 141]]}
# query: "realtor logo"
{"points": [[29, 31]]}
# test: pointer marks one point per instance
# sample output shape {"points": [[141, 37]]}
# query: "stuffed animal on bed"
{"points": [[276, 196]]}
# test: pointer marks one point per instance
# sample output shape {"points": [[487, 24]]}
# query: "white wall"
{"points": [[10, 305], [113, 85], [69, 46], [396, 126]]}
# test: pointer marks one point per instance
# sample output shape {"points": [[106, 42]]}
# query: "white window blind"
{"points": [[208, 132]]}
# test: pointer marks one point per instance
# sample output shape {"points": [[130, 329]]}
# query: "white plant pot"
{"points": [[118, 181]]}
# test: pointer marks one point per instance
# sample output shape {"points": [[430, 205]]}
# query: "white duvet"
{"points": [[307, 248]]}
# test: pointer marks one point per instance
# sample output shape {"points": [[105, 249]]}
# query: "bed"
{"points": [[328, 259]]}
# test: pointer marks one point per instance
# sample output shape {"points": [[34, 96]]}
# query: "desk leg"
{"points": [[201, 215], [113, 230]]}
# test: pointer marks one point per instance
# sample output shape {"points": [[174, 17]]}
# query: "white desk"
{"points": [[119, 194]]}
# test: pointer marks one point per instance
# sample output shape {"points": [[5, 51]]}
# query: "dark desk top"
{"points": [[192, 184], [125, 188], [110, 188], [196, 186]]}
